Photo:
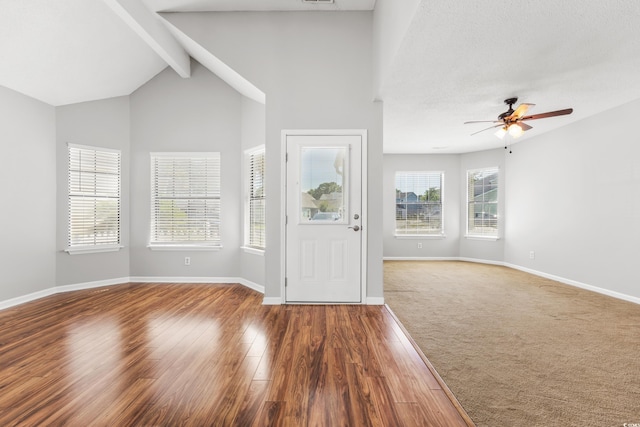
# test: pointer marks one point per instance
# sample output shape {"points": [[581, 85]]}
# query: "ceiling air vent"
{"points": [[318, 1]]}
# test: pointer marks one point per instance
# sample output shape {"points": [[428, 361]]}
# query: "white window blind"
{"points": [[94, 197], [185, 199], [257, 199], [482, 202], [419, 203]]}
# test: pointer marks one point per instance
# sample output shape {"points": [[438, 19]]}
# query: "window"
{"points": [[94, 199], [256, 199], [482, 202], [419, 203], [185, 200]]}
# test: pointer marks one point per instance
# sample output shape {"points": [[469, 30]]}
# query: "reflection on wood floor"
{"points": [[210, 355]]}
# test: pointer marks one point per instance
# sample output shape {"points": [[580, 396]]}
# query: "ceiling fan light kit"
{"points": [[514, 130], [512, 121]]}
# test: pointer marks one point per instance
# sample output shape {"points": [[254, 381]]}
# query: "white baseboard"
{"points": [[118, 281], [577, 284], [185, 279], [375, 300], [569, 282], [481, 261], [26, 298], [272, 301], [415, 258], [60, 289], [244, 282], [251, 285], [89, 285]]}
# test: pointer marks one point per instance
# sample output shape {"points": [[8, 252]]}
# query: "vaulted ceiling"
{"points": [[457, 62]]}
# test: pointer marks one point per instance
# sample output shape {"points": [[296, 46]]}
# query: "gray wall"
{"points": [[28, 213], [101, 124], [570, 196], [455, 245], [316, 72], [436, 247], [252, 135], [482, 249], [172, 114], [573, 198]]}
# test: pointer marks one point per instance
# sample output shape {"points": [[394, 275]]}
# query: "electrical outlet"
{"points": [[420, 245], [187, 260], [532, 255]]}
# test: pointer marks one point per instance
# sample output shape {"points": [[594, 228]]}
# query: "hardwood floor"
{"points": [[210, 355]]}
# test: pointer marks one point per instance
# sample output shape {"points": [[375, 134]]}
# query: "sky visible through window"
{"points": [[320, 165], [418, 186]]}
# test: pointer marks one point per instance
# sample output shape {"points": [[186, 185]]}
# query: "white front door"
{"points": [[324, 219]]}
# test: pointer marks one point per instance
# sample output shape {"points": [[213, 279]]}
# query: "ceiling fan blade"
{"points": [[482, 121], [549, 114], [524, 126], [492, 127], [521, 110]]}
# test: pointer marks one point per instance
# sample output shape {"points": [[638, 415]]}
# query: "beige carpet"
{"points": [[520, 350]]}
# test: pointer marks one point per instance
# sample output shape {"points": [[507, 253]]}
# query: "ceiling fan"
{"points": [[512, 121]]}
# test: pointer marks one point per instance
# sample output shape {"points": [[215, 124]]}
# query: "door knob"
{"points": [[355, 228]]}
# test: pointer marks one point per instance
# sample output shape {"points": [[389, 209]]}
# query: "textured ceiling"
{"points": [[458, 60]]}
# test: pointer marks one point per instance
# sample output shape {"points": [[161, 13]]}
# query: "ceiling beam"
{"points": [[146, 24], [216, 66]]}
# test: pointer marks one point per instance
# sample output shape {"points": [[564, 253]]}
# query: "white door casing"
{"points": [[325, 235]]}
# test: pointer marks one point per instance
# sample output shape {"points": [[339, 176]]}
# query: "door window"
{"points": [[322, 181]]}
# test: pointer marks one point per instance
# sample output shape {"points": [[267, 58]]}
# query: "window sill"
{"points": [[254, 251], [184, 247], [79, 250], [420, 236], [474, 237]]}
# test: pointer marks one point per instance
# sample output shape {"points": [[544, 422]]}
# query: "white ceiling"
{"points": [[63, 52], [461, 59], [458, 61], [254, 5]]}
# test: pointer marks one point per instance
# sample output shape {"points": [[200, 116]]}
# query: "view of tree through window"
{"points": [[419, 203], [482, 200], [321, 178]]}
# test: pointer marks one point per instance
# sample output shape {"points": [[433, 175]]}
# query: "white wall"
{"points": [[573, 198], [28, 212], [172, 114], [316, 71], [432, 247], [103, 124], [252, 135]]}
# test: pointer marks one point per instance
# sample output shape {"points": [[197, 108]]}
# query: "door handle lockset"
{"points": [[355, 228]]}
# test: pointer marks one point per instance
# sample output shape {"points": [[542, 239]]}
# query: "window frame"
{"points": [[168, 244], [111, 164], [475, 234], [249, 156], [427, 176]]}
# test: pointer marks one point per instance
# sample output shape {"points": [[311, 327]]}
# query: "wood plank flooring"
{"points": [[210, 355]]}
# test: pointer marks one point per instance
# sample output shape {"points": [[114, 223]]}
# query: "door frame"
{"points": [[364, 201]]}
